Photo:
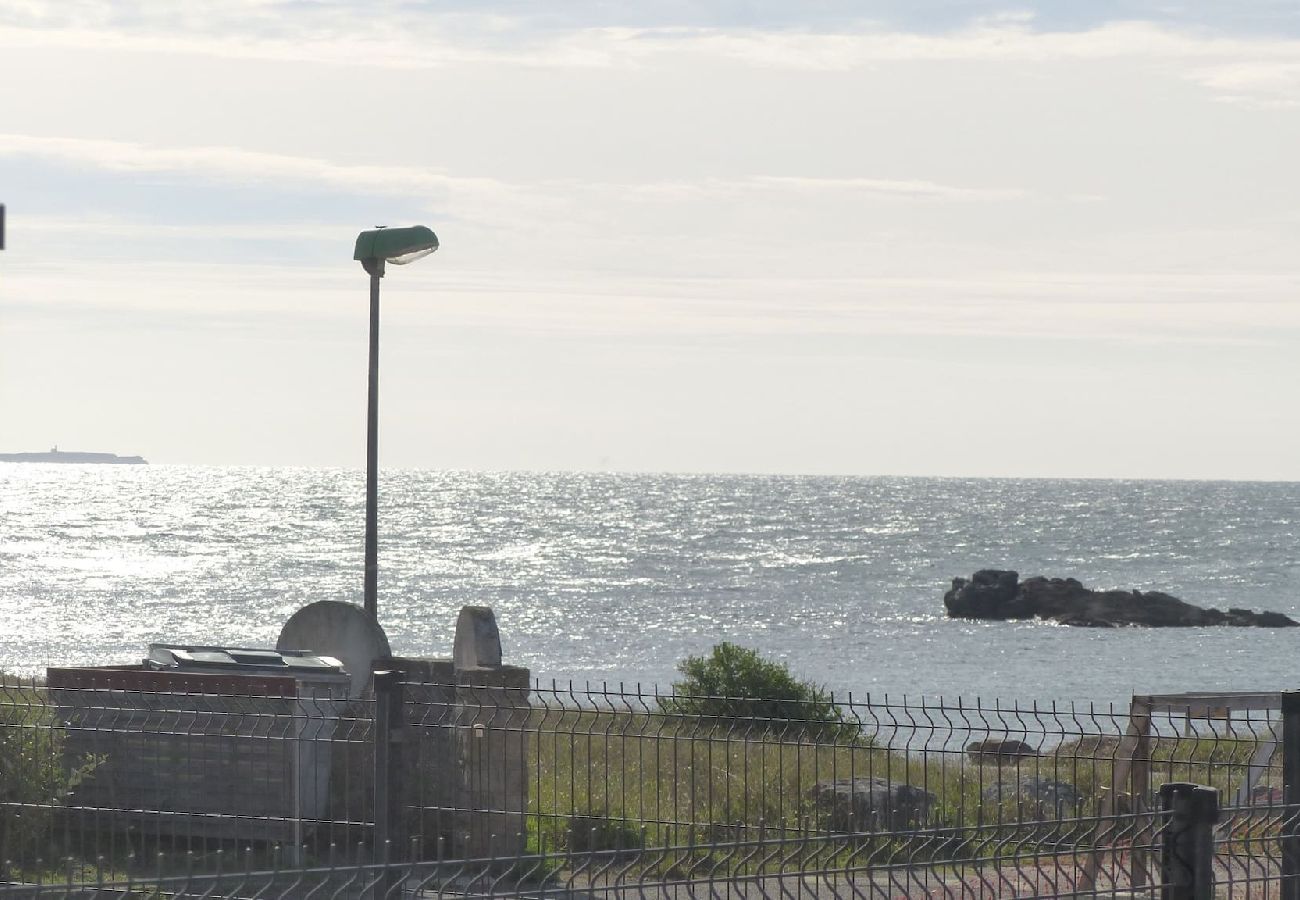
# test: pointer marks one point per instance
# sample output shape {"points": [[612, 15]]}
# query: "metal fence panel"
{"points": [[489, 786]]}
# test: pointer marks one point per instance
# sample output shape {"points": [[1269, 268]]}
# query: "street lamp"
{"points": [[375, 249]]}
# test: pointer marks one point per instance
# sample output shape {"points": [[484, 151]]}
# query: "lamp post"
{"points": [[375, 249]]}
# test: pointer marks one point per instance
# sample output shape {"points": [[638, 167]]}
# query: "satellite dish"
{"points": [[338, 629]]}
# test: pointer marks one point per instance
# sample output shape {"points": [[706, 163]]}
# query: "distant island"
{"points": [[55, 455]]}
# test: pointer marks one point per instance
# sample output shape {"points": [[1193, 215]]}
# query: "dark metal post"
{"points": [[1291, 795], [1187, 845], [382, 742], [389, 719], [376, 270]]}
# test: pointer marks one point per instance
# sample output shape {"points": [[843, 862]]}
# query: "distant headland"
{"points": [[55, 455]]}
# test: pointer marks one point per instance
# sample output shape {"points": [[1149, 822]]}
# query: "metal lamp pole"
{"points": [[371, 592], [374, 250]]}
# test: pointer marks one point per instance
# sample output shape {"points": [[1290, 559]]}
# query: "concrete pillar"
{"points": [[492, 713], [468, 793]]}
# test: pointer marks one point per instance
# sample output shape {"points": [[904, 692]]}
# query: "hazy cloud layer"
{"points": [[1083, 219]]}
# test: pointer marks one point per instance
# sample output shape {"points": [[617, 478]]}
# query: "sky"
{"points": [[949, 238]]}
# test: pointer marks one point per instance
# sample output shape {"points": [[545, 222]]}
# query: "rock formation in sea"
{"points": [[999, 594]]}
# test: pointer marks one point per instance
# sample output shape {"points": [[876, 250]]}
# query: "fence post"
{"points": [[1187, 844], [1291, 795], [389, 719]]}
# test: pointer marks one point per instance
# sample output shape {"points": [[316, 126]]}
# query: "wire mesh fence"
{"points": [[492, 785], [812, 866]]}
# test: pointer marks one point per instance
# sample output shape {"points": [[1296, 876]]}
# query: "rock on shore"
{"points": [[873, 804], [999, 594]]}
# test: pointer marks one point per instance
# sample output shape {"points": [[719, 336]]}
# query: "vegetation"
{"points": [[616, 781], [735, 758], [734, 686], [35, 779]]}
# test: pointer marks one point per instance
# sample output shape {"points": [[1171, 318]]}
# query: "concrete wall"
{"points": [[240, 758], [467, 754], [199, 756]]}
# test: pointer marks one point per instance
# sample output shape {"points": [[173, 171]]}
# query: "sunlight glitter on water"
{"points": [[619, 577]]}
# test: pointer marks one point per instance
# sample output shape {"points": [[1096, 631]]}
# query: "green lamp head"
{"points": [[398, 246]]}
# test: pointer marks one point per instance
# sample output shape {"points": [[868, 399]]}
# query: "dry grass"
{"points": [[665, 781]]}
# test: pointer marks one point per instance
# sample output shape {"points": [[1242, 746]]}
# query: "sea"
{"points": [[616, 578]]}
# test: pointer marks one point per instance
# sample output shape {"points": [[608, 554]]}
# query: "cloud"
{"points": [[1267, 83], [404, 36], [1217, 307], [1258, 70], [235, 164], [238, 164], [811, 234], [482, 199], [898, 187], [100, 225]]}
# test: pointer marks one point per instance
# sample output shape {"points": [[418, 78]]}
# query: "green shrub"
{"points": [[735, 688], [34, 779], [597, 833]]}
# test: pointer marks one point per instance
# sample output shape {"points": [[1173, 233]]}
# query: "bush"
{"points": [[33, 779], [735, 687], [592, 833]]}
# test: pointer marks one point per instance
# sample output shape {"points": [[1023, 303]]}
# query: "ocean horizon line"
{"points": [[697, 473]]}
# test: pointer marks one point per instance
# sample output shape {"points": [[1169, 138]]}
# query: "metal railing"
{"points": [[985, 862], [491, 785]]}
